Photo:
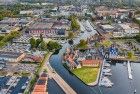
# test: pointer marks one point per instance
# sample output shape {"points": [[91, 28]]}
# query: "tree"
{"points": [[33, 43], [130, 55], [41, 37], [53, 45], [1, 37], [82, 44], [137, 21], [97, 44], [70, 35], [107, 43], [43, 45], [74, 23], [137, 37], [38, 41]]}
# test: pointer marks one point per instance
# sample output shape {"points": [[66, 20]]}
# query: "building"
{"points": [[90, 63], [49, 28], [107, 27], [32, 58], [15, 21], [70, 9], [11, 56], [2, 64], [23, 12], [118, 33], [41, 84], [129, 31], [41, 28]]}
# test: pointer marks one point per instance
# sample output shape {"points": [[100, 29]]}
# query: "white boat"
{"points": [[106, 82], [106, 70], [107, 74], [23, 87], [14, 84], [106, 65]]}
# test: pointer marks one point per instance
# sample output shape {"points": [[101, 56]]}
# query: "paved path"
{"points": [[65, 87]]}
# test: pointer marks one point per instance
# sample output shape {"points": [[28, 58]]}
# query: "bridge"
{"points": [[52, 74]]}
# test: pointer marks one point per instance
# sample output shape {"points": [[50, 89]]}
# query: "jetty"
{"points": [[129, 70]]}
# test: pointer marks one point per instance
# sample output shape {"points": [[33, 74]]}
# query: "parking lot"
{"points": [[30, 68], [22, 39], [17, 47]]}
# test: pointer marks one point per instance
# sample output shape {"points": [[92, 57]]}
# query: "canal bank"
{"points": [[122, 85]]}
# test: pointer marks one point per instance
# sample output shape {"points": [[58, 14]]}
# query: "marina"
{"points": [[106, 71], [107, 74], [13, 84], [106, 82]]}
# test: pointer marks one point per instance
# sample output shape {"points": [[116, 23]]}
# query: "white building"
{"points": [[26, 12], [124, 30]]}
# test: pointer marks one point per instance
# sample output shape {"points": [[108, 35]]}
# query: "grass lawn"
{"points": [[86, 74]]}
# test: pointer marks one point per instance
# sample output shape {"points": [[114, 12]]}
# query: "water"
{"points": [[122, 85], [53, 87]]}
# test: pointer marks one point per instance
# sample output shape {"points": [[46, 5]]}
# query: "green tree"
{"points": [[82, 44], [53, 45], [137, 37], [1, 37], [74, 23], [33, 43], [41, 37], [97, 44], [137, 22], [43, 45], [38, 41], [130, 55], [70, 35]]}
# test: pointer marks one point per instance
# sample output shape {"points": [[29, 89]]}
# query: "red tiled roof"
{"points": [[39, 92], [39, 88], [91, 61]]}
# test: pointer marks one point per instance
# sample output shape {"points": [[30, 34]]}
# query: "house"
{"points": [[41, 84], [11, 56], [91, 63]]}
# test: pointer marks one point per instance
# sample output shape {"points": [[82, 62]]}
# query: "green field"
{"points": [[86, 74]]}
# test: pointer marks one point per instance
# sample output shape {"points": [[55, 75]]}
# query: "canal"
{"points": [[122, 85]]}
